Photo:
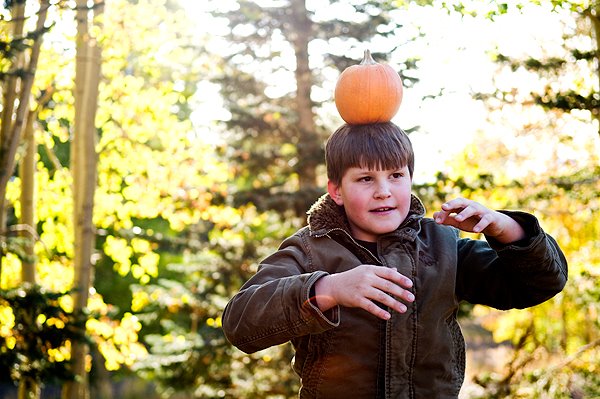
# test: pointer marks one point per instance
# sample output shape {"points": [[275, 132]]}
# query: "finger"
{"points": [[448, 220], [466, 213], [393, 289], [485, 221], [398, 306], [445, 217], [454, 204], [440, 216], [386, 300], [375, 310], [394, 276]]}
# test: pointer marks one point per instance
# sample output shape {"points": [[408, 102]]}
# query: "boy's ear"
{"points": [[334, 192]]}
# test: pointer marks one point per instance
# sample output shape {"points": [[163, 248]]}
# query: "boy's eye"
{"points": [[397, 175]]}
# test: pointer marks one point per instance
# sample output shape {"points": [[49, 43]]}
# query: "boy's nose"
{"points": [[383, 191]]}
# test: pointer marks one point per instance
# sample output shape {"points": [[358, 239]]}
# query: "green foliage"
{"points": [[556, 343], [569, 65], [530, 377], [190, 353], [35, 331], [11, 49], [156, 178], [18, 246], [189, 349]]}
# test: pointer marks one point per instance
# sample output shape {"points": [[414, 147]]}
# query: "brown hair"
{"points": [[373, 146]]}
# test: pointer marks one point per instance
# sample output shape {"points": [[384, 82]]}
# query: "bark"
{"points": [[11, 138], [102, 385], [84, 169], [594, 16], [6, 128], [13, 124], [596, 23], [27, 173], [29, 389]]}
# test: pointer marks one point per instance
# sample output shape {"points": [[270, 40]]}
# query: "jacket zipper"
{"points": [[351, 239], [385, 332]]}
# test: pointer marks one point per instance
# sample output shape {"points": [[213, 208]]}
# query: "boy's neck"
{"points": [[370, 245]]}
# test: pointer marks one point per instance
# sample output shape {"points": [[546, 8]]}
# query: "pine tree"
{"points": [[278, 124]]}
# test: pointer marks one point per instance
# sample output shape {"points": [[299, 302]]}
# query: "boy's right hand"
{"points": [[359, 287]]}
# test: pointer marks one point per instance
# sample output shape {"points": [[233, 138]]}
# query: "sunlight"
{"points": [[151, 164], [453, 61]]}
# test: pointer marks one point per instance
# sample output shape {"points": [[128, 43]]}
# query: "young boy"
{"points": [[368, 292]]}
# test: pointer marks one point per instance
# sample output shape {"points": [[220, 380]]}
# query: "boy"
{"points": [[368, 292]]}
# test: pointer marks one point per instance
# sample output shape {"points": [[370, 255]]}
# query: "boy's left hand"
{"points": [[473, 217]]}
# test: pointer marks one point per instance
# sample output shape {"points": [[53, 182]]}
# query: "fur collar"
{"points": [[325, 215]]}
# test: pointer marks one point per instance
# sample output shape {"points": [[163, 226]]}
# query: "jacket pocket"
{"points": [[309, 361], [458, 353]]}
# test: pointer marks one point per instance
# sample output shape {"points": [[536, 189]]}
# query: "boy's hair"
{"points": [[377, 146]]}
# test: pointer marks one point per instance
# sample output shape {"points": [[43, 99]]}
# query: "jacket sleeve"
{"points": [[275, 305], [517, 275]]}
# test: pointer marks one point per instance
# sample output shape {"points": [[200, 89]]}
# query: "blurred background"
{"points": [[153, 151]]}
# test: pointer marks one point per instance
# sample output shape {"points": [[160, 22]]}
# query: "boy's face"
{"points": [[376, 201]]}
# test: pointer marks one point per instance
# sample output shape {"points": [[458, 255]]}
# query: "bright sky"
{"points": [[454, 57]]}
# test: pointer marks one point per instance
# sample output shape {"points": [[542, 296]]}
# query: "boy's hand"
{"points": [[473, 217], [359, 287]]}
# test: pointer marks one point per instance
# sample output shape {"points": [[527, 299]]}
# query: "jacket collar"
{"points": [[325, 216]]}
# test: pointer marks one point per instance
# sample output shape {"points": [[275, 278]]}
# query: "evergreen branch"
{"points": [[10, 48], [532, 64], [8, 4], [570, 100], [20, 73]]}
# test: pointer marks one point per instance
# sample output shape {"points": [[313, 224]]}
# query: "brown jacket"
{"points": [[349, 353]]}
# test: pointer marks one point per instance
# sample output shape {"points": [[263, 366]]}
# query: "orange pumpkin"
{"points": [[368, 93]]}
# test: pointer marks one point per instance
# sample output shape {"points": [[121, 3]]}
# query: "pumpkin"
{"points": [[369, 92]]}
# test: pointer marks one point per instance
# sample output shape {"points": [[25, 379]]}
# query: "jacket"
{"points": [[349, 353]]}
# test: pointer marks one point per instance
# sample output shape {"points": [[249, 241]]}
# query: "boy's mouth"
{"points": [[383, 209]]}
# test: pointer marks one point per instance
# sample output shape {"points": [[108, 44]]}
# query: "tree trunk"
{"points": [[594, 16], [29, 389], [11, 137], [13, 122], [308, 143], [27, 173], [101, 388], [6, 128], [84, 169]]}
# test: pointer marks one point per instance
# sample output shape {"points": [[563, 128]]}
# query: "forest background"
{"points": [[152, 151]]}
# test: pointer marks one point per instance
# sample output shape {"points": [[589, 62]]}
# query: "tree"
{"points": [[18, 83], [545, 159], [276, 78], [155, 180], [84, 170]]}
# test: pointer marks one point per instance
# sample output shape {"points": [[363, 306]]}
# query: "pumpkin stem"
{"points": [[368, 59]]}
